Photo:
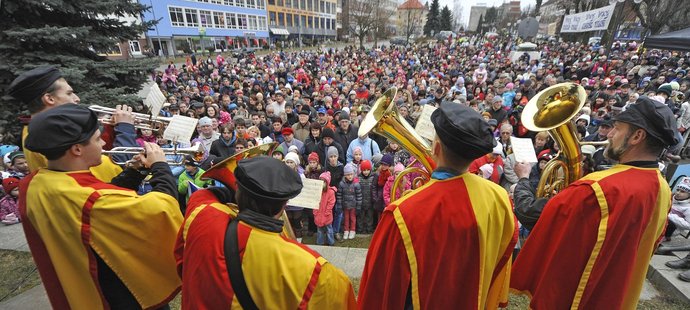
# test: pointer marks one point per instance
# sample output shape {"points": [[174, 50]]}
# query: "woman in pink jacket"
{"points": [[323, 217]]}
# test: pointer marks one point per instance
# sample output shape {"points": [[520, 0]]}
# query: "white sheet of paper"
{"points": [[425, 127], [523, 150], [154, 100], [180, 129], [310, 196]]}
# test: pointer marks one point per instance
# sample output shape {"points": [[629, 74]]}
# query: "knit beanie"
{"points": [[349, 169], [332, 151], [365, 165], [387, 159], [681, 187], [357, 148], [9, 184], [293, 157], [313, 157], [327, 132]]}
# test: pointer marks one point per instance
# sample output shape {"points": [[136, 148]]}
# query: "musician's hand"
{"points": [[522, 170], [123, 114], [153, 154]]}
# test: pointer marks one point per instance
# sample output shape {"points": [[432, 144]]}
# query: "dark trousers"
{"points": [[295, 218], [365, 221]]}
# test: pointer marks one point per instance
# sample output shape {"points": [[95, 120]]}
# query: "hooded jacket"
{"points": [[324, 215]]}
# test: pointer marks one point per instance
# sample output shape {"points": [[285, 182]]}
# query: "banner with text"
{"points": [[597, 19]]}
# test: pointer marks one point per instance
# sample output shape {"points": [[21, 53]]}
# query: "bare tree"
{"points": [[413, 23], [363, 18], [663, 15]]}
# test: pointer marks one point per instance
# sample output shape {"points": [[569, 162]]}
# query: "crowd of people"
{"points": [[311, 104]]}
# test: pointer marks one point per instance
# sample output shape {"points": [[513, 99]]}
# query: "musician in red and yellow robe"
{"points": [[279, 272], [447, 244], [97, 245], [44, 88], [590, 248]]}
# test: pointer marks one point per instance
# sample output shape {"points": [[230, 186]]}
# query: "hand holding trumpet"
{"points": [[123, 114], [151, 154]]}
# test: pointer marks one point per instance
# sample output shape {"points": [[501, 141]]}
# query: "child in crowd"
{"points": [[9, 211], [679, 217], [294, 213], [18, 167], [192, 174], [383, 171], [357, 159], [278, 153], [336, 169], [323, 216], [405, 185], [349, 198], [365, 217], [313, 171]]}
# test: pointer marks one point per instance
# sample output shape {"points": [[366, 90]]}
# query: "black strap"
{"points": [[234, 266]]}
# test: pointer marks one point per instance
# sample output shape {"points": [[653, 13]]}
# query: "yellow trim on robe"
{"points": [[411, 256]]}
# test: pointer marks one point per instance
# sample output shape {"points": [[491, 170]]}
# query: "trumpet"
{"points": [[175, 156], [141, 121]]}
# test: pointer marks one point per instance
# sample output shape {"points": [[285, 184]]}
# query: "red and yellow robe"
{"points": [[591, 247], [67, 216], [448, 242], [105, 172], [280, 273]]}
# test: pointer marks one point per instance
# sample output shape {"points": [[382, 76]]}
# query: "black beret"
{"points": [[463, 130], [33, 83], [304, 111], [60, 127], [268, 178], [654, 117]]}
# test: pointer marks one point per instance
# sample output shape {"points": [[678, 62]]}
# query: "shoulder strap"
{"points": [[234, 266]]}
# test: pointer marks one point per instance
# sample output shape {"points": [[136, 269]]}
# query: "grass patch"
{"points": [[17, 273]]}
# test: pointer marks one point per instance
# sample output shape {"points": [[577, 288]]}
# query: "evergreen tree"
{"points": [[446, 19], [70, 34], [432, 19]]}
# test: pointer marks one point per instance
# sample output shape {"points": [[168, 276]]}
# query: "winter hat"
{"points": [[544, 155], [205, 121], [682, 186], [365, 165], [332, 151], [498, 149], [313, 157], [327, 132], [387, 159], [666, 89], [588, 149], [376, 159], [584, 117], [398, 168], [326, 176], [293, 157], [349, 169], [9, 184], [357, 148]]}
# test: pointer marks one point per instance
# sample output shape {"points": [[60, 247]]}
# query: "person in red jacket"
{"points": [[323, 216], [489, 166]]}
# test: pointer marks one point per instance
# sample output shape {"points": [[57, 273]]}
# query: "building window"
{"points": [[322, 6], [272, 15], [310, 5], [134, 47], [176, 16], [288, 3], [302, 5], [281, 19], [253, 23], [262, 23], [310, 22], [288, 20], [217, 1], [231, 19], [229, 2], [251, 4], [242, 21], [205, 18], [240, 3], [219, 19], [280, 3], [192, 17], [333, 24], [260, 4], [271, 2]]}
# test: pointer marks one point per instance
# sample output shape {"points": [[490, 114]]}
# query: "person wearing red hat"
{"points": [[9, 210], [289, 140], [365, 217]]}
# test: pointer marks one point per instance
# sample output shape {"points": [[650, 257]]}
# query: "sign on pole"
{"points": [[597, 19]]}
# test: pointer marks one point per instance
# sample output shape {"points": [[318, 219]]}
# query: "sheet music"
{"points": [[154, 100], [523, 150], [180, 129], [425, 127], [310, 196]]}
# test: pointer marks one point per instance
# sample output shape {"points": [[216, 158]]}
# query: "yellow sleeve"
{"points": [[135, 235], [107, 170], [333, 291]]}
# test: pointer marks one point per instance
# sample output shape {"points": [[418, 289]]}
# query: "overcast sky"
{"points": [[467, 4]]}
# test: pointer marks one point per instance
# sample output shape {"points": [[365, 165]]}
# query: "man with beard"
{"points": [[604, 226]]}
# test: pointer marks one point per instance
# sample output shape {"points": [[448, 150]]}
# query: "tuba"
{"points": [[552, 110], [224, 172], [385, 120]]}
